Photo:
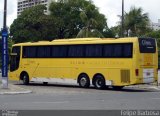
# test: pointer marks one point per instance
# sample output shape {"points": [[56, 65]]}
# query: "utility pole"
{"points": [[5, 49], [122, 28]]}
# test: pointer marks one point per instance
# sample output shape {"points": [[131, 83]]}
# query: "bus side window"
{"points": [[108, 51], [94, 51], [76, 51], [127, 50]]}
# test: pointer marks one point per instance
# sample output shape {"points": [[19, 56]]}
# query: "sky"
{"points": [[110, 8]]}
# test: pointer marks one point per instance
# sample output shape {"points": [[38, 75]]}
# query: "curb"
{"points": [[15, 93], [146, 87], [154, 87], [13, 90]]}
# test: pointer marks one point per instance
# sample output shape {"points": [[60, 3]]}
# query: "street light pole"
{"points": [[5, 14], [5, 49], [122, 28]]}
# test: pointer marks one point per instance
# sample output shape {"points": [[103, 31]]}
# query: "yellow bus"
{"points": [[86, 61]]}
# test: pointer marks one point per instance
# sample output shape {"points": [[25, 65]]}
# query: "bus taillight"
{"points": [[137, 72]]}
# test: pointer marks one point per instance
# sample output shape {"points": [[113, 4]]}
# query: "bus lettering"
{"points": [[146, 43]]}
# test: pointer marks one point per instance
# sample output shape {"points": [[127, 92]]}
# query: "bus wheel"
{"points": [[25, 79], [117, 87], [99, 82], [84, 81]]}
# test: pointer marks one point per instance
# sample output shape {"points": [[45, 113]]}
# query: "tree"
{"points": [[32, 25], [136, 21], [89, 30], [154, 34], [68, 20], [63, 21]]}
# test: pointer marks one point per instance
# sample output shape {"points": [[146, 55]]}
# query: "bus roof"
{"points": [[79, 41]]}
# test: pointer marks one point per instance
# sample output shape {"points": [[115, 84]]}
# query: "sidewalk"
{"points": [[12, 89], [146, 86]]}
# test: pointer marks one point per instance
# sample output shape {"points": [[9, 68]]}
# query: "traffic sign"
{"points": [[5, 58]]}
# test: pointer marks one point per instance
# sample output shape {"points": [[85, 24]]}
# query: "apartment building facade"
{"points": [[155, 26], [25, 4]]}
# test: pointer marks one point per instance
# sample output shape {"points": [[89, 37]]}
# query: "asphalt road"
{"points": [[71, 97], [63, 97]]}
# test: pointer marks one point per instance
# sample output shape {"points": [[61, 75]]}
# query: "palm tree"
{"points": [[136, 21], [89, 30]]}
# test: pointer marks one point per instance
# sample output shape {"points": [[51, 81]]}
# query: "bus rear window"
{"points": [[147, 45]]}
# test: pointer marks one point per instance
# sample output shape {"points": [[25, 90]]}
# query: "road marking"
{"points": [[58, 102]]}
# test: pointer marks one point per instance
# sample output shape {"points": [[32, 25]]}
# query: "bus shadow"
{"points": [[125, 89]]}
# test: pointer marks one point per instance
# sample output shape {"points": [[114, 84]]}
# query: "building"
{"points": [[156, 26], [24, 4]]}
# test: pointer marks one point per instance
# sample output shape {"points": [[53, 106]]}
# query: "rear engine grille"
{"points": [[125, 76]]}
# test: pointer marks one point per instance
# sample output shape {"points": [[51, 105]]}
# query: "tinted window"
{"points": [[29, 52], [14, 61], [59, 51], [94, 50], [117, 50], [147, 45], [43, 51], [127, 52], [16, 50], [76, 51], [108, 51], [79, 51]]}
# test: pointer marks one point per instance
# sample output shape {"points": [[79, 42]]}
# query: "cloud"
{"points": [[11, 11], [112, 8]]}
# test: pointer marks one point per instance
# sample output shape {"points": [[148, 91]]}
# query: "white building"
{"points": [[156, 26], [24, 4]]}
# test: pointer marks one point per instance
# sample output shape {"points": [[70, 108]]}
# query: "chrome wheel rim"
{"points": [[98, 83], [83, 81]]}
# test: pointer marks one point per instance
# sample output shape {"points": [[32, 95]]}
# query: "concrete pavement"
{"points": [[12, 89]]}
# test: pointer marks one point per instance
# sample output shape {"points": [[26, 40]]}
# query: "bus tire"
{"points": [[117, 87], [84, 81], [25, 78], [99, 82]]}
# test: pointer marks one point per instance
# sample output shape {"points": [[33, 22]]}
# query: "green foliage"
{"points": [[32, 25], [136, 21], [66, 14], [64, 21], [116, 31], [154, 34], [75, 16], [90, 27]]}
